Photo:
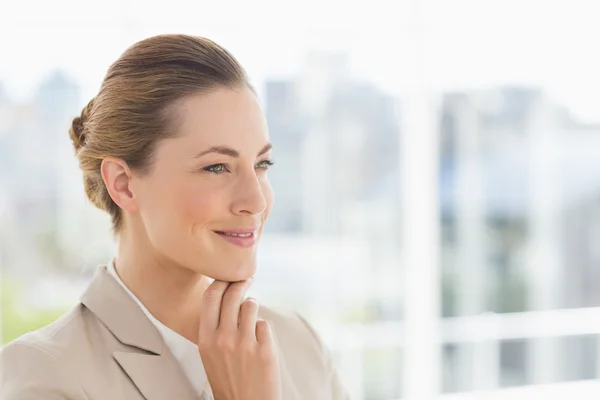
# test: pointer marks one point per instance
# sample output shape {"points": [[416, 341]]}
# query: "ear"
{"points": [[117, 177]]}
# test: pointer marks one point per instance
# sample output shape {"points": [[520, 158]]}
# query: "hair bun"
{"points": [[77, 131]]}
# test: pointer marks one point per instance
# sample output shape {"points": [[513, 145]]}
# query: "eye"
{"points": [[266, 164], [216, 168]]}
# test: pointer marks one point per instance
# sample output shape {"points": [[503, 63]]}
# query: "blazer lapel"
{"points": [[157, 377], [149, 364]]}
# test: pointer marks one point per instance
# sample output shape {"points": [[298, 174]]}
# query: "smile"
{"points": [[236, 234], [247, 238]]}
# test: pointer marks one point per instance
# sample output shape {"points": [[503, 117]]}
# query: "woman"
{"points": [[175, 148]]}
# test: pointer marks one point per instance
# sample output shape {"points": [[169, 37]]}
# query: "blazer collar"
{"points": [[154, 370], [120, 314]]}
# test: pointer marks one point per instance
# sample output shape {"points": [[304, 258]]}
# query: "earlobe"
{"points": [[117, 178]]}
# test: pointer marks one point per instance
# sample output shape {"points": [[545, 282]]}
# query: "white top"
{"points": [[182, 349]]}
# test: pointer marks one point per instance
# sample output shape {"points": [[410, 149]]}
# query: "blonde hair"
{"points": [[134, 107]]}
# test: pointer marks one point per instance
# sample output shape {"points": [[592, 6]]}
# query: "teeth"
{"points": [[239, 234]]}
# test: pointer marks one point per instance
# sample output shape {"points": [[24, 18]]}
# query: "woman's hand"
{"points": [[237, 350]]}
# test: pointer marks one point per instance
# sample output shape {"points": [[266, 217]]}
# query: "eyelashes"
{"points": [[216, 168], [266, 164], [222, 168]]}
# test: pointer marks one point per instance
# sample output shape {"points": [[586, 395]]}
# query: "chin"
{"points": [[235, 271]]}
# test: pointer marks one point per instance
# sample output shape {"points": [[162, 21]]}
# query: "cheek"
{"points": [[179, 203], [199, 205]]}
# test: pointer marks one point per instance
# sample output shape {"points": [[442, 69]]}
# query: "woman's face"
{"points": [[205, 202]]}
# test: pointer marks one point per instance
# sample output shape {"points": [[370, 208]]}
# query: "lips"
{"points": [[239, 237]]}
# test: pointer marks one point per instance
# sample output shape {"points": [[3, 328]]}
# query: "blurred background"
{"points": [[437, 179]]}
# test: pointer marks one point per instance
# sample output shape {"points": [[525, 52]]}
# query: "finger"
{"points": [[230, 307], [264, 335], [210, 309], [248, 314]]}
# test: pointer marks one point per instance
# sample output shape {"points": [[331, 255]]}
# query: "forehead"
{"points": [[224, 115]]}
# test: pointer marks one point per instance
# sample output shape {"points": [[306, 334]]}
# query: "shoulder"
{"points": [[56, 339], [35, 364], [305, 355], [298, 343], [290, 326], [281, 317]]}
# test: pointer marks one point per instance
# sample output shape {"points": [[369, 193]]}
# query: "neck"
{"points": [[170, 292]]}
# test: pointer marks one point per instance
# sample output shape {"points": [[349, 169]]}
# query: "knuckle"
{"points": [[226, 343], [247, 346]]}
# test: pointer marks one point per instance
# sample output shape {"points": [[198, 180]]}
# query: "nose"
{"points": [[249, 196]]}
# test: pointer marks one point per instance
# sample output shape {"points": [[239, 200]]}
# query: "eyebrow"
{"points": [[228, 151]]}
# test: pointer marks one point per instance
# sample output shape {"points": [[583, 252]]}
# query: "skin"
{"points": [[168, 250]]}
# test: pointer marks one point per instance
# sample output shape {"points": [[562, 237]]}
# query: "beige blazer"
{"points": [[106, 348]]}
